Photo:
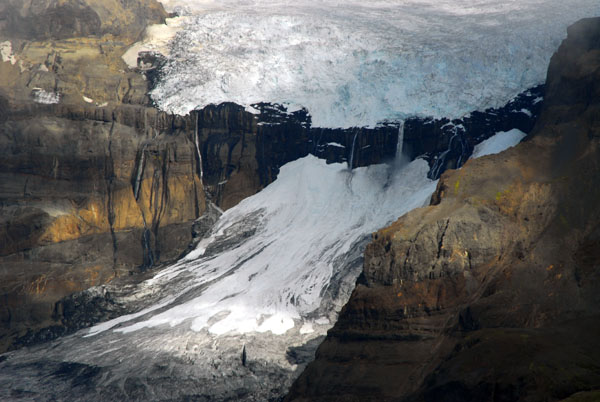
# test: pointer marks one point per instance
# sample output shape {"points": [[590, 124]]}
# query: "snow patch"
{"points": [[307, 328], [7, 53], [335, 144], [252, 109], [498, 143], [45, 97]]}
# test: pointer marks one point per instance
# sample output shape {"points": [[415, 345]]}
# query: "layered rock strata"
{"points": [[95, 183], [491, 293], [448, 144]]}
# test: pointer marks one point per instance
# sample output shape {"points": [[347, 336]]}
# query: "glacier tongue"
{"points": [[285, 255], [357, 63], [269, 279]]}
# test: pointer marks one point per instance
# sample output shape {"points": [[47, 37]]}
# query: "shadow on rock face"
{"points": [[304, 353]]}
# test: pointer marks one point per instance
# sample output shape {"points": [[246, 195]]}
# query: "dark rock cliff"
{"points": [[492, 293], [447, 144], [242, 152]]}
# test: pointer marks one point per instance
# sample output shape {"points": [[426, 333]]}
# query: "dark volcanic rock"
{"points": [[242, 152], [492, 293], [448, 144]]}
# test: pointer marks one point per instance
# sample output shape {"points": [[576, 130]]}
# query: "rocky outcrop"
{"points": [[56, 19], [95, 183], [492, 292], [448, 144]]}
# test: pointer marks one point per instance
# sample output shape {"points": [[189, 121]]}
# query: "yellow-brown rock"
{"points": [[70, 217]]}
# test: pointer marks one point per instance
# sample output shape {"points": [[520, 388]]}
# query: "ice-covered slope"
{"points": [[356, 63], [271, 277], [286, 255]]}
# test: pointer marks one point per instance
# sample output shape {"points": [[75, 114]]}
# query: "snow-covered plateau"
{"points": [[356, 63]]}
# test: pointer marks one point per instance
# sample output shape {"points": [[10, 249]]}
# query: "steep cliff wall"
{"points": [[492, 292], [242, 152], [87, 199], [94, 182]]}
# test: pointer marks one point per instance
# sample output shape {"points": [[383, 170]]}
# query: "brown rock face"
{"points": [[56, 19], [492, 293], [94, 182], [85, 200]]}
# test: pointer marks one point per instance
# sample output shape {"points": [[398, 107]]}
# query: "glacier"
{"points": [[290, 256], [356, 63], [270, 277]]}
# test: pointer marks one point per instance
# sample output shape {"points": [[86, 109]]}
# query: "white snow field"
{"points": [[498, 143], [357, 63]]}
